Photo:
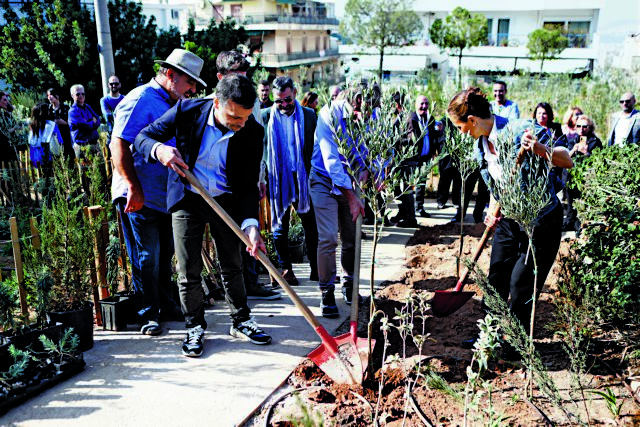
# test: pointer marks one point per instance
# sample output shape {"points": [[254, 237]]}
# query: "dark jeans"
{"points": [[189, 218], [449, 176], [281, 239], [572, 222], [509, 274], [154, 242], [406, 205], [483, 195], [249, 272]]}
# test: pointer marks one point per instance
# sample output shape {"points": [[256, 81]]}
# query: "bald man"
{"points": [[626, 123]]}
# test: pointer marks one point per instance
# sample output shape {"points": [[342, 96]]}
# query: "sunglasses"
{"points": [[286, 100], [582, 126], [80, 94], [624, 101], [114, 84]]}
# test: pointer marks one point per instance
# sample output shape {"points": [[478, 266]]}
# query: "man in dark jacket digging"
{"points": [[220, 142]]}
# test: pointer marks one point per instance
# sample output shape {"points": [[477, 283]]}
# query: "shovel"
{"points": [[338, 358], [361, 343], [448, 302]]}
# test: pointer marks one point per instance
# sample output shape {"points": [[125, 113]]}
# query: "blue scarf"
{"points": [[282, 188]]}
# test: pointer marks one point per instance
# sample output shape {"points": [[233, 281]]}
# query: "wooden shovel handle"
{"points": [[479, 249], [262, 257]]}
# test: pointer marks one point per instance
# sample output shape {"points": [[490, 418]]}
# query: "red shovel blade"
{"points": [[342, 364], [446, 303]]}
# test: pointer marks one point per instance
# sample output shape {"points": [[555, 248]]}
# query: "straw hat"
{"points": [[185, 61]]}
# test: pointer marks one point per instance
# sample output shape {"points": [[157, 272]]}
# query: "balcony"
{"points": [[579, 41], [288, 19], [297, 58]]}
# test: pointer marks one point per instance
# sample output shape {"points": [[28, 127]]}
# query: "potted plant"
{"points": [[59, 267], [116, 309], [17, 329], [296, 238]]}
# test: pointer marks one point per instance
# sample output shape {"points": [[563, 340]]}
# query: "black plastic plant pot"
{"points": [[81, 321]]}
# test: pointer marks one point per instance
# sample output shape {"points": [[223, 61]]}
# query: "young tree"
{"points": [[381, 25], [134, 39], [545, 43], [460, 30], [51, 43]]}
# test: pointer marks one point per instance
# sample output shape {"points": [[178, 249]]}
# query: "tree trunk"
{"points": [[541, 65], [460, 70]]}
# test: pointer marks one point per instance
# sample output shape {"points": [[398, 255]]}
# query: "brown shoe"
{"points": [[290, 278]]}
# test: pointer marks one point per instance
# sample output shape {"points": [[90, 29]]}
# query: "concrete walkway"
{"points": [[135, 380]]}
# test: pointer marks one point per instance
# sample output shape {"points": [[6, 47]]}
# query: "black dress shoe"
{"points": [[408, 223], [396, 219], [441, 206], [423, 213], [456, 218]]}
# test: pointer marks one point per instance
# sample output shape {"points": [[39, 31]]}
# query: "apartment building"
{"points": [[292, 34], [600, 32]]}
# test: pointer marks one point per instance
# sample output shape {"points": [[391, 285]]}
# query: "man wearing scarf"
{"points": [[289, 138]]}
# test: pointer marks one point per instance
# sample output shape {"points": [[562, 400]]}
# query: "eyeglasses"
{"points": [[624, 101], [287, 100]]}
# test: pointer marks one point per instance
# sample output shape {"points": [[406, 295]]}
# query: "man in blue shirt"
{"points": [[139, 189], [84, 123], [502, 106], [332, 193], [109, 102], [221, 143]]}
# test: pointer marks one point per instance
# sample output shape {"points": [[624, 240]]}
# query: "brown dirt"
{"points": [[431, 265]]}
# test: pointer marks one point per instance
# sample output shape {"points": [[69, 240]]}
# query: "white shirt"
{"points": [[493, 164], [623, 127]]}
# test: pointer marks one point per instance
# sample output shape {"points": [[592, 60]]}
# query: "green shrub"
{"points": [[602, 271]]}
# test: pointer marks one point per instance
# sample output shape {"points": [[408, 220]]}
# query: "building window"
{"points": [[317, 43], [236, 11], [175, 14], [503, 32], [577, 32], [304, 44], [490, 39]]}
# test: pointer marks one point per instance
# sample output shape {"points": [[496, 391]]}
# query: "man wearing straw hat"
{"points": [[139, 189]]}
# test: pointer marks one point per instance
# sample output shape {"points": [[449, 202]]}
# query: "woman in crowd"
{"points": [[44, 137], [580, 146], [543, 115], [310, 100], [509, 273], [59, 113], [569, 121]]}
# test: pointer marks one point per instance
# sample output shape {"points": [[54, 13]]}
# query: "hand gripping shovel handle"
{"points": [[196, 185]]}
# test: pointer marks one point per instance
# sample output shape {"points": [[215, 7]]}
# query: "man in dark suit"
{"points": [[221, 143], [289, 138], [425, 130]]}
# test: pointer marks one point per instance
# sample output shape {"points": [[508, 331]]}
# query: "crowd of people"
{"points": [[246, 143]]}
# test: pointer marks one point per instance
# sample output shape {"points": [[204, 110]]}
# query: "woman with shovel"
{"points": [[509, 272]]}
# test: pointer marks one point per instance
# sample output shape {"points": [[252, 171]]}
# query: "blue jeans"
{"points": [[189, 218], [130, 243], [281, 239], [154, 242]]}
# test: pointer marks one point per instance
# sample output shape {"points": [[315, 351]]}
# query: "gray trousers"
{"points": [[332, 216], [189, 218]]}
